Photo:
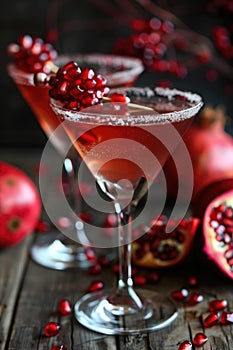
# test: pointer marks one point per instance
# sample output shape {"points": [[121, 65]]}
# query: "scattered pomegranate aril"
{"points": [[104, 261], [195, 298], [65, 307], [116, 268], [95, 286], [58, 347], [211, 320], [180, 294], [185, 345], [110, 220], [192, 281], [90, 254], [217, 305], [200, 339], [95, 269], [226, 318], [52, 329], [140, 280], [43, 226], [152, 277]]}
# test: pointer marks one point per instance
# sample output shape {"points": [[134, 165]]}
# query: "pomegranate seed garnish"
{"points": [[95, 286], [226, 318], [185, 345], [217, 305], [200, 339], [32, 54], [140, 280], [77, 88], [52, 329], [119, 98], [211, 319], [195, 298], [65, 307], [180, 294]]}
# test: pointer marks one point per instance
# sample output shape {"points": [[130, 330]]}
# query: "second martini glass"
{"points": [[57, 251], [125, 147]]}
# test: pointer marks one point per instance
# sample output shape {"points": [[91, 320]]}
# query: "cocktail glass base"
{"points": [[59, 253], [95, 311]]}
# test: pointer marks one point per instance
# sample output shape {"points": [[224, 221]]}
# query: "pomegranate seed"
{"points": [[43, 226], [200, 339], [192, 281], [211, 319], [104, 261], [95, 286], [226, 318], [195, 298], [90, 254], [58, 347], [116, 269], [119, 98], [65, 307], [153, 277], [217, 305], [185, 345], [180, 294], [140, 280], [94, 270], [77, 88], [110, 220], [52, 329]]}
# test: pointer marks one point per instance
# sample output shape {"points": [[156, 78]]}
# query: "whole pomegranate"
{"points": [[20, 205], [211, 152], [161, 248], [216, 210]]}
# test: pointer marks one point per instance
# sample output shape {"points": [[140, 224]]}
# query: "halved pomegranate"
{"points": [[218, 231], [161, 248]]}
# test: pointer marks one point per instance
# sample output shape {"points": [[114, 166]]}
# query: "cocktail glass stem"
{"points": [[125, 298]]}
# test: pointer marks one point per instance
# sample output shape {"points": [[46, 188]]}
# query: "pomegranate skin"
{"points": [[20, 205], [208, 194], [211, 153], [217, 232]]}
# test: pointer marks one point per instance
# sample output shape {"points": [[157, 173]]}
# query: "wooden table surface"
{"points": [[29, 296]]}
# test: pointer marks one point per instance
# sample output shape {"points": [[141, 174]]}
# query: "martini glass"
{"points": [[57, 250], [125, 147]]}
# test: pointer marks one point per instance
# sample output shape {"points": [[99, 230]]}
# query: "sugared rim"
{"points": [[132, 67], [116, 113]]}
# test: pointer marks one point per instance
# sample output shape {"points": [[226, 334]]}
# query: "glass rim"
{"points": [[97, 114], [133, 66]]}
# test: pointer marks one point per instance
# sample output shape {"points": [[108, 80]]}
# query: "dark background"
{"points": [[94, 26]]}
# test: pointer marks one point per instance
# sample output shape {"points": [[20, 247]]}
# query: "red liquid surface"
{"points": [[115, 153]]}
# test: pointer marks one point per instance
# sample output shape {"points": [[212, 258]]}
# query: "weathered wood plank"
{"points": [[13, 262]]}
